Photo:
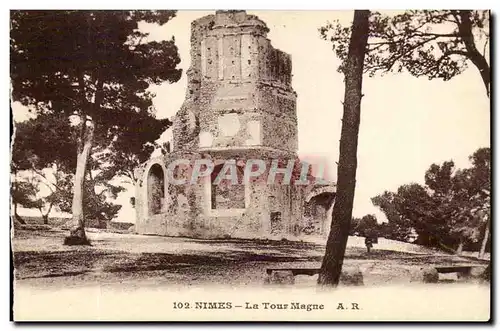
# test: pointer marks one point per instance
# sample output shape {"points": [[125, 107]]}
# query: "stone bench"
{"points": [[463, 271], [295, 271], [430, 274], [349, 275], [352, 275]]}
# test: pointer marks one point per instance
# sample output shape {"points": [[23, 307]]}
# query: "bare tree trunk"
{"points": [[485, 240], [16, 215], [45, 216], [346, 171], [77, 233]]}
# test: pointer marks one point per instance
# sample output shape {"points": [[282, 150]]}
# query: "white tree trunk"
{"points": [[485, 240], [460, 247], [78, 220]]}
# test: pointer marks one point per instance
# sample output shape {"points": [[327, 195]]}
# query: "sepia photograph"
{"points": [[251, 166]]}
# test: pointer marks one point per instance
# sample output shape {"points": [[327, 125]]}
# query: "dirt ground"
{"points": [[40, 259]]}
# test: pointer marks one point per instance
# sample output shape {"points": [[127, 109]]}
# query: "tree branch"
{"points": [[465, 29], [404, 53], [425, 34], [41, 174], [484, 47], [444, 56]]}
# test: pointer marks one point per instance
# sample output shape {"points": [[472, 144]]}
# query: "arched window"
{"points": [[225, 194], [156, 189]]}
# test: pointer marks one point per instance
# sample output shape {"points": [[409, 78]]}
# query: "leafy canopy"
{"points": [[88, 66], [94, 64], [452, 204], [430, 43]]}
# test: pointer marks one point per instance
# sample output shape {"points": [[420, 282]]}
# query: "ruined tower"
{"points": [[239, 92], [239, 105]]}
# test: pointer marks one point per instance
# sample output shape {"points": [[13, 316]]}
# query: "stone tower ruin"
{"points": [[239, 105]]}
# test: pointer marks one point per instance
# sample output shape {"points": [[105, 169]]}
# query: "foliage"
{"points": [[94, 67], [130, 145], [430, 43], [367, 226], [61, 59], [452, 207], [43, 142], [40, 158], [24, 193]]}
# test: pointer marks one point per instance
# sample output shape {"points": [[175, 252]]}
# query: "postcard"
{"points": [[239, 165]]}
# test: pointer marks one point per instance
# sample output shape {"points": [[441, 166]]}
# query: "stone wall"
{"points": [[270, 210]]}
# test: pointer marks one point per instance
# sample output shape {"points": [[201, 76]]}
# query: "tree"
{"points": [[40, 158], [430, 43], [396, 227], [450, 211], [52, 168], [94, 66], [390, 230], [43, 142], [481, 174], [346, 171], [443, 181], [22, 193], [354, 228], [129, 145], [368, 226], [416, 208], [99, 190], [473, 187]]}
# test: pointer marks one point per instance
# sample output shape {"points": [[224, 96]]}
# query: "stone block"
{"points": [[475, 273], [351, 276], [281, 277], [425, 275]]}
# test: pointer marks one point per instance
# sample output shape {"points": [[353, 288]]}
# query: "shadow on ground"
{"points": [[40, 255]]}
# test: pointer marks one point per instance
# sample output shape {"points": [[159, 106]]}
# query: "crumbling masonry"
{"points": [[239, 105]]}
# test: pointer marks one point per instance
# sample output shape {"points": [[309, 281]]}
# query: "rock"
{"points": [[351, 276], [476, 273], [486, 275], [430, 275], [281, 277], [425, 275]]}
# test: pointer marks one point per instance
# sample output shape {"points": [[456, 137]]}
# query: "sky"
{"points": [[407, 123]]}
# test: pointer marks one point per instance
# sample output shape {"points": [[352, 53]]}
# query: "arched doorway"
{"points": [[318, 210], [156, 189]]}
